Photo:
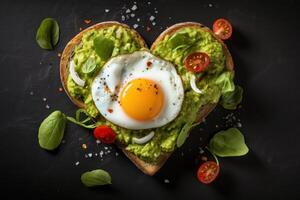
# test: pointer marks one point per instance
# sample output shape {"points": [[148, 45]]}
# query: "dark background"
{"points": [[265, 49]]}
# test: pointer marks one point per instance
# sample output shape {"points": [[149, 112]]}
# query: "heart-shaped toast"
{"points": [[111, 44]]}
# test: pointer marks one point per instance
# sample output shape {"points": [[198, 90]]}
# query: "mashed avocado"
{"points": [[174, 49]]}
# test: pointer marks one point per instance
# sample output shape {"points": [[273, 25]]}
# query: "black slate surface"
{"points": [[265, 49]]}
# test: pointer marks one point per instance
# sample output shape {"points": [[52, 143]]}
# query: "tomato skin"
{"points": [[105, 134], [222, 28], [208, 172], [197, 62]]}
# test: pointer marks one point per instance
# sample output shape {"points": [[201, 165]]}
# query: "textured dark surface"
{"points": [[265, 49]]}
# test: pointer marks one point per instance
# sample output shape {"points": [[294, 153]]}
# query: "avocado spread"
{"points": [[213, 81]]}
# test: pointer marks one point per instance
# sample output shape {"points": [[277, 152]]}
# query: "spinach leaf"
{"points": [[47, 35], [179, 40], [230, 100], [228, 143], [95, 178], [184, 133], [225, 82], [89, 66], [103, 47], [51, 130]]}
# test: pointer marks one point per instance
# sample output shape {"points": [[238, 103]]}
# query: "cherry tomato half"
{"points": [[208, 171], [222, 28], [105, 134], [197, 62]]}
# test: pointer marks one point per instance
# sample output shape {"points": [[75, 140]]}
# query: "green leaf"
{"points": [[51, 130], [95, 178], [89, 66], [183, 135], [103, 47], [179, 39], [230, 100], [228, 143], [225, 82], [47, 35]]}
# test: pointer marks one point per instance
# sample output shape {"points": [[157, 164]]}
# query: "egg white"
{"points": [[120, 70]]}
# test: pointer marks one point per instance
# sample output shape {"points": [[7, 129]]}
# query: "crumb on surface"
{"points": [[84, 146]]}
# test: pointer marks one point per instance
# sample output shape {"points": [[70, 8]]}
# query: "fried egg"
{"points": [[138, 91]]}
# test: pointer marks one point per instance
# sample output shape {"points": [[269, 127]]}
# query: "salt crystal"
{"points": [[123, 18], [127, 11], [138, 19], [47, 106], [134, 7], [105, 148], [90, 155], [156, 11], [151, 18], [95, 154], [167, 181], [98, 141], [210, 5], [101, 153], [149, 2], [239, 125], [77, 163], [135, 26], [106, 10], [117, 153], [31, 93], [153, 23], [132, 14]]}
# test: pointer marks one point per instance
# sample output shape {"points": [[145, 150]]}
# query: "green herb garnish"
{"points": [[231, 100], [96, 178], [103, 47], [51, 130], [47, 35], [228, 143], [89, 66]]}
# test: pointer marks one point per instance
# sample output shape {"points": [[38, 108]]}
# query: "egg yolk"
{"points": [[142, 99]]}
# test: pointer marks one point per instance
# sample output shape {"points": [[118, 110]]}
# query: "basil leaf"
{"points": [[103, 47], [95, 178], [179, 39], [227, 143], [89, 66], [51, 130], [230, 100], [183, 135], [225, 82], [47, 35]]}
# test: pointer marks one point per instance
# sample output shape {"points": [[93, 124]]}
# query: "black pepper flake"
{"points": [[156, 93], [139, 89], [155, 86], [174, 104], [150, 109], [110, 110]]}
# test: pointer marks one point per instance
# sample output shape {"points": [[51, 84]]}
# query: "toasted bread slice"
{"points": [[69, 50], [151, 169], [147, 168]]}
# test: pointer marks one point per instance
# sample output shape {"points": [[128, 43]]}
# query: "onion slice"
{"points": [[143, 139], [75, 76], [194, 86]]}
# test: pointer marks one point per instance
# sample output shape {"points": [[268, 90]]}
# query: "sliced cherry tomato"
{"points": [[197, 62], [208, 171], [105, 134], [222, 28]]}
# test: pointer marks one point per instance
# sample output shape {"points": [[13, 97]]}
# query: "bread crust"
{"points": [[147, 168]]}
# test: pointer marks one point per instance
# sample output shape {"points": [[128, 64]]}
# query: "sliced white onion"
{"points": [[75, 76], [193, 84], [143, 139]]}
